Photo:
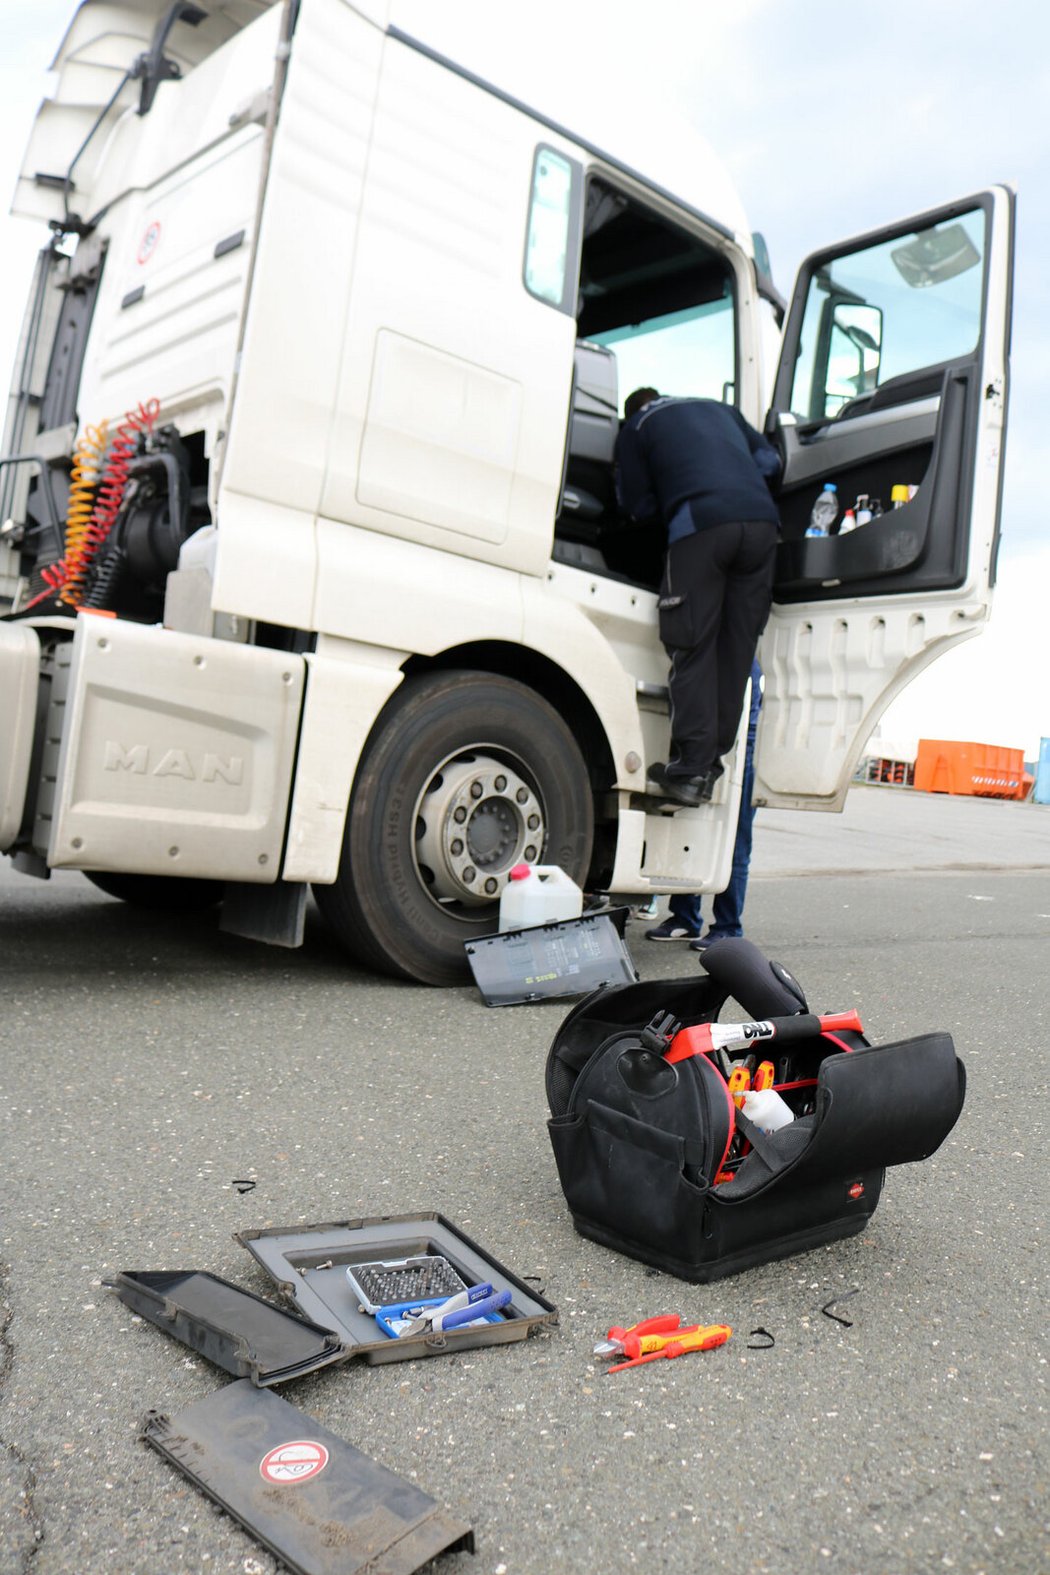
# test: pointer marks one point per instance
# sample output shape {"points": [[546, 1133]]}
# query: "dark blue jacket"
{"points": [[694, 451]]}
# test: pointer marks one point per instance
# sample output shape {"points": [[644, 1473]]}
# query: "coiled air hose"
{"points": [[95, 499], [87, 468]]}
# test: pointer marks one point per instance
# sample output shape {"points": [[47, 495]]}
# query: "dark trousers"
{"points": [[714, 601]]}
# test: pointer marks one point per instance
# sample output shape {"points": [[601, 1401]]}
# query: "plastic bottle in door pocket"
{"points": [[825, 511]]}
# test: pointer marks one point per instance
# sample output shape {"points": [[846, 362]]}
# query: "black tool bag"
{"points": [[639, 1142]]}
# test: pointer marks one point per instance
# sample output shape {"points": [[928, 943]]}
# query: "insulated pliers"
{"points": [[649, 1335], [698, 1338]]}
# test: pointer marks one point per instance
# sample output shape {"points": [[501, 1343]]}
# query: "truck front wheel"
{"points": [[465, 775]]}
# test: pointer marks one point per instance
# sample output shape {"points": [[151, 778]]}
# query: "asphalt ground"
{"points": [[149, 1061]]}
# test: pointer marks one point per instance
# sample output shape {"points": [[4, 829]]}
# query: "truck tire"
{"points": [[163, 893], [464, 776]]}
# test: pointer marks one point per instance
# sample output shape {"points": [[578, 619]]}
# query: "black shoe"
{"points": [[705, 941], [672, 929], [691, 791]]}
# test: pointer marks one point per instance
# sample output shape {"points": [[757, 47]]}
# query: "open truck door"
{"points": [[893, 375]]}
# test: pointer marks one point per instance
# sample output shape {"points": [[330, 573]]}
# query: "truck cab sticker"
{"points": [[149, 242]]}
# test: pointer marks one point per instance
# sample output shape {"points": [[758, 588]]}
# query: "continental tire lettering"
{"points": [[393, 828]]}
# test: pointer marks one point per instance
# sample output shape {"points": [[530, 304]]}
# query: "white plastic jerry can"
{"points": [[538, 894]]}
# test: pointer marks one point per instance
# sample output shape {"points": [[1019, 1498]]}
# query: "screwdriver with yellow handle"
{"points": [[699, 1338], [739, 1084], [649, 1335]]}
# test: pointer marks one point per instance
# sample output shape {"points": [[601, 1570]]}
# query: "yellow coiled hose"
{"points": [[87, 468]]}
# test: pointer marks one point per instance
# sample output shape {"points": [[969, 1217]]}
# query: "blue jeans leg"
{"points": [[686, 909], [728, 910]]}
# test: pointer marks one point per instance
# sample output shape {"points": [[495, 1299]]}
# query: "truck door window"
{"points": [[656, 308], [659, 297], [551, 247], [887, 310]]}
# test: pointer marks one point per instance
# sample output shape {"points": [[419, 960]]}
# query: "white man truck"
{"points": [[312, 564]]}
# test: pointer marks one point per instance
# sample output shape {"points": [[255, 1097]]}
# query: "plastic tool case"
{"points": [[309, 1263], [639, 1142]]}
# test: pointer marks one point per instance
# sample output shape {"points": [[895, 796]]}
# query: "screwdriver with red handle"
{"points": [[699, 1338], [704, 1037]]}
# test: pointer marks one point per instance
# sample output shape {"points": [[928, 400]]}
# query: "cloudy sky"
{"points": [[832, 119]]}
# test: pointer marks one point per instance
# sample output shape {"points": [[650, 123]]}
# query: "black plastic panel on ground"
{"points": [[314, 1501]]}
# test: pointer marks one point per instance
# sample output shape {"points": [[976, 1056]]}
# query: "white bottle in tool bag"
{"points": [[766, 1109], [538, 894]]}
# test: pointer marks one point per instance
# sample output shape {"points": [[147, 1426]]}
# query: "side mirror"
{"points": [[154, 67], [854, 356]]}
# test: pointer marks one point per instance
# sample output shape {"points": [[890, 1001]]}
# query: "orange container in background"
{"points": [[984, 770]]}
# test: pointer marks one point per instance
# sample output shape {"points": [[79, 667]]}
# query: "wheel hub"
{"points": [[476, 818]]}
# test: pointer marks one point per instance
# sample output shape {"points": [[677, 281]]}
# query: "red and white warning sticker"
{"points": [[296, 1461], [149, 242]]}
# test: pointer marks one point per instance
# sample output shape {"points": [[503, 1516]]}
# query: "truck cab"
{"points": [[315, 569]]}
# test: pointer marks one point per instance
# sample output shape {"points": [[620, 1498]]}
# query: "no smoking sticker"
{"points": [[149, 242], [297, 1461]]}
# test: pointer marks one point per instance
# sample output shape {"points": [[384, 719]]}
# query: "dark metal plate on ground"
{"points": [[317, 1503]]}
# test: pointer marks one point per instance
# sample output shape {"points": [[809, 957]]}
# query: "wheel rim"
{"points": [[478, 815]]}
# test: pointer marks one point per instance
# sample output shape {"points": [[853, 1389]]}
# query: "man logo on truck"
{"points": [[174, 763]]}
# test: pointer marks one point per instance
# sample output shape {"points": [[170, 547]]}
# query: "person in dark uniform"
{"points": [[697, 467]]}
